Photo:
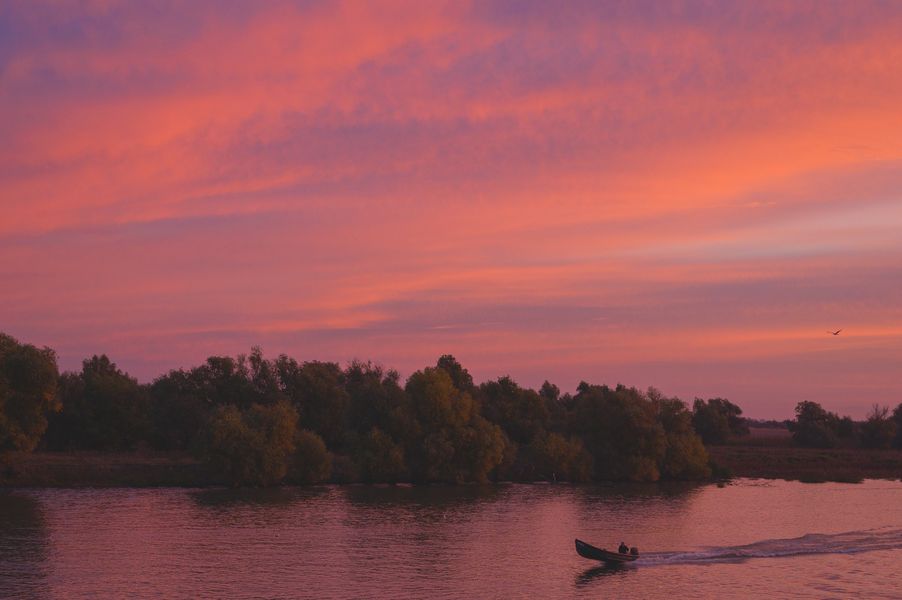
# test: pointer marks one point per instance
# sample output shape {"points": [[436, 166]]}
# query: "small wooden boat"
{"points": [[611, 558]]}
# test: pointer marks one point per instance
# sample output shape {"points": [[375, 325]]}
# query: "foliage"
{"points": [[520, 412], [685, 456], [177, 411], [28, 384], [455, 443], [317, 391], [102, 409], [815, 427], [460, 377], [552, 457], [376, 399], [879, 430], [311, 462], [257, 421], [717, 420], [379, 458], [251, 447], [621, 432]]}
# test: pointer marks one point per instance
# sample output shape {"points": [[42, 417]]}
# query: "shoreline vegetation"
{"points": [[91, 469], [253, 421]]}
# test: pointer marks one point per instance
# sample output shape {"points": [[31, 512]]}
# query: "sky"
{"points": [[684, 195]]}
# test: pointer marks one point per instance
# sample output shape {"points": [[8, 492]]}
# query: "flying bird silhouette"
{"points": [[834, 332]]}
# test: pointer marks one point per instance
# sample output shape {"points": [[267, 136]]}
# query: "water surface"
{"points": [[750, 538]]}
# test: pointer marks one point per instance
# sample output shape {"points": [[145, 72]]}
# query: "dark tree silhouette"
{"points": [[103, 408], [459, 375], [256, 421], [815, 427], [28, 384], [879, 429], [717, 420]]}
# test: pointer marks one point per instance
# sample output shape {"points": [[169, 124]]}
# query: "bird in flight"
{"points": [[834, 332]]}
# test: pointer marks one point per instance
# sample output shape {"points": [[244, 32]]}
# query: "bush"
{"points": [[554, 457], [379, 458], [453, 442], [685, 456], [717, 420], [28, 384], [252, 447], [621, 431], [103, 408], [814, 427], [311, 462], [879, 430]]}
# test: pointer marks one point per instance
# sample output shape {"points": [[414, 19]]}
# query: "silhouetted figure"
{"points": [[623, 549], [634, 551]]}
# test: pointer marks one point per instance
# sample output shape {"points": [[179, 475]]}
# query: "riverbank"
{"points": [[156, 469], [104, 469], [808, 464]]}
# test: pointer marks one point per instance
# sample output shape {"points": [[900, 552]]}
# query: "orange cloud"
{"points": [[399, 181]]}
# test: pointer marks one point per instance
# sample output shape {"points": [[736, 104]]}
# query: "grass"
{"points": [[808, 464], [765, 453], [103, 469]]}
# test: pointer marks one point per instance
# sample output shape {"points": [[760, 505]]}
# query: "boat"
{"points": [[611, 558]]}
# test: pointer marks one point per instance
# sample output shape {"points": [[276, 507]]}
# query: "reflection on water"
{"points": [[413, 497], [254, 497], [847, 542], [23, 545], [593, 573], [500, 541]]}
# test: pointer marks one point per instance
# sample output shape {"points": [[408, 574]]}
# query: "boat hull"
{"points": [[611, 558]]}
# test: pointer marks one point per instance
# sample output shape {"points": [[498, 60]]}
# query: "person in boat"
{"points": [[623, 549], [634, 551]]}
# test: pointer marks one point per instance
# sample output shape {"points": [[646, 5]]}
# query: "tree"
{"points": [[460, 377], [28, 386], [311, 462], [103, 409], [251, 447], [556, 405], [453, 442], [897, 418], [376, 399], [552, 457], [223, 380], [521, 413], [879, 430], [178, 411], [686, 456], [814, 427], [379, 458], [621, 431], [717, 420], [317, 391]]}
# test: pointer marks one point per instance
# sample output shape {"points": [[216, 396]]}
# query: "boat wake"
{"points": [[850, 542]]}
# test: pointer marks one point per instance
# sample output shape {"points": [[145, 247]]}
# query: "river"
{"points": [[748, 538]]}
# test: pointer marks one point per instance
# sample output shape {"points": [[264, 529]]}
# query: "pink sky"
{"points": [[685, 196]]}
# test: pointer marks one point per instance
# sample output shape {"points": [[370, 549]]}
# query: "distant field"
{"points": [[781, 461], [765, 436], [766, 453]]}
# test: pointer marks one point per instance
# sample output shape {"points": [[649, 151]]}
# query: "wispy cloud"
{"points": [[629, 191]]}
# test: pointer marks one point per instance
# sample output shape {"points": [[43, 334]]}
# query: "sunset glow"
{"points": [[683, 196]]}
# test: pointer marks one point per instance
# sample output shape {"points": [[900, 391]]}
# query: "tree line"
{"points": [[259, 421], [816, 427]]}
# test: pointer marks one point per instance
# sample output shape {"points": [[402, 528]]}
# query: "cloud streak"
{"points": [[615, 192]]}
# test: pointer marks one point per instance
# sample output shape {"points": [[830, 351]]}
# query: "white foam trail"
{"points": [[849, 542]]}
